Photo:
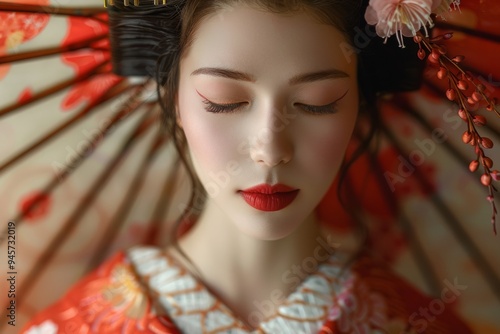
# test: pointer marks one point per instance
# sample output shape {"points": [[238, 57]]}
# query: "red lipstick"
{"points": [[265, 197]]}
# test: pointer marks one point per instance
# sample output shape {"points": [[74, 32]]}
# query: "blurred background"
{"points": [[85, 169]]}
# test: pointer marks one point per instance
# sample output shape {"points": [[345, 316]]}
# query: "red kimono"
{"points": [[144, 290]]}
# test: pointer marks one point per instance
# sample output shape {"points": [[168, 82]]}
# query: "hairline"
{"points": [[315, 14]]}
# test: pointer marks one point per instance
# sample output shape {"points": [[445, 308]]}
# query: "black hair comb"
{"points": [[134, 2]]}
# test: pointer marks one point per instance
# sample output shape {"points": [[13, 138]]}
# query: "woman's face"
{"points": [[292, 101]]}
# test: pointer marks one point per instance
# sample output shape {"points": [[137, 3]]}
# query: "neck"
{"points": [[241, 269]]}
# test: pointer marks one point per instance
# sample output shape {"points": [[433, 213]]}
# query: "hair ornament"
{"points": [[408, 18], [135, 2]]}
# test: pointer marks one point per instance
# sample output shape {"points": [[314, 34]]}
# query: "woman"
{"points": [[262, 97]]}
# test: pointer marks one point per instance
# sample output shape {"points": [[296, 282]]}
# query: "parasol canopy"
{"points": [[86, 170]]}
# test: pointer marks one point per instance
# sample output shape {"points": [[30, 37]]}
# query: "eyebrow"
{"points": [[298, 79]]}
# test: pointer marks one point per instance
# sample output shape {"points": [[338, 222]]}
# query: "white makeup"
{"points": [[271, 136]]}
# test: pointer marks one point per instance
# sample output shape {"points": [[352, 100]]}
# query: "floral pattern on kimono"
{"points": [[145, 290]]}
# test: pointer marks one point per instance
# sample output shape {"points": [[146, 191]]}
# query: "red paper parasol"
{"points": [[85, 169]]}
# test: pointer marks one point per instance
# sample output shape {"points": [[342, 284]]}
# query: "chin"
{"points": [[269, 228]]}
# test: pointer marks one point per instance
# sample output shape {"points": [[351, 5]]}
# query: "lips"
{"points": [[265, 197]]}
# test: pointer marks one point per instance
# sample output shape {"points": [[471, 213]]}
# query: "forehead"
{"points": [[261, 42]]}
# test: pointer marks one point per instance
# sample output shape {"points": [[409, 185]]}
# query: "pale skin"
{"points": [[242, 252]]}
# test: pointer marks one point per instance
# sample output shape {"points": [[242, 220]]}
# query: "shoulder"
{"points": [[373, 296], [110, 299]]}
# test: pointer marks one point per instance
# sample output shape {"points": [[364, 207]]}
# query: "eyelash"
{"points": [[230, 108], [221, 108]]}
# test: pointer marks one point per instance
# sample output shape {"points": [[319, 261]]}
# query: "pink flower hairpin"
{"points": [[408, 18]]}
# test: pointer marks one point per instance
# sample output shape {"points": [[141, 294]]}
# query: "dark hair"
{"points": [[149, 36]]}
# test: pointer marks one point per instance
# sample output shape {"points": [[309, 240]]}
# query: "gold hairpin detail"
{"points": [[136, 2]]}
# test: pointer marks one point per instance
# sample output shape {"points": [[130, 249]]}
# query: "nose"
{"points": [[272, 145]]}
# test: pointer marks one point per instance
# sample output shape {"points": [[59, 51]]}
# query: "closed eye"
{"points": [[221, 108], [326, 109], [232, 107], [330, 108]]}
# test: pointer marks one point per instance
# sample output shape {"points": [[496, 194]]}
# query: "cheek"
{"points": [[211, 143], [205, 144], [327, 145], [334, 134]]}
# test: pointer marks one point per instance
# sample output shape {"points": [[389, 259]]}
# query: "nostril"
{"points": [[269, 158]]}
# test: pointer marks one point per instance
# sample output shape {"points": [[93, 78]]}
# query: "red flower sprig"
{"points": [[469, 94]]}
